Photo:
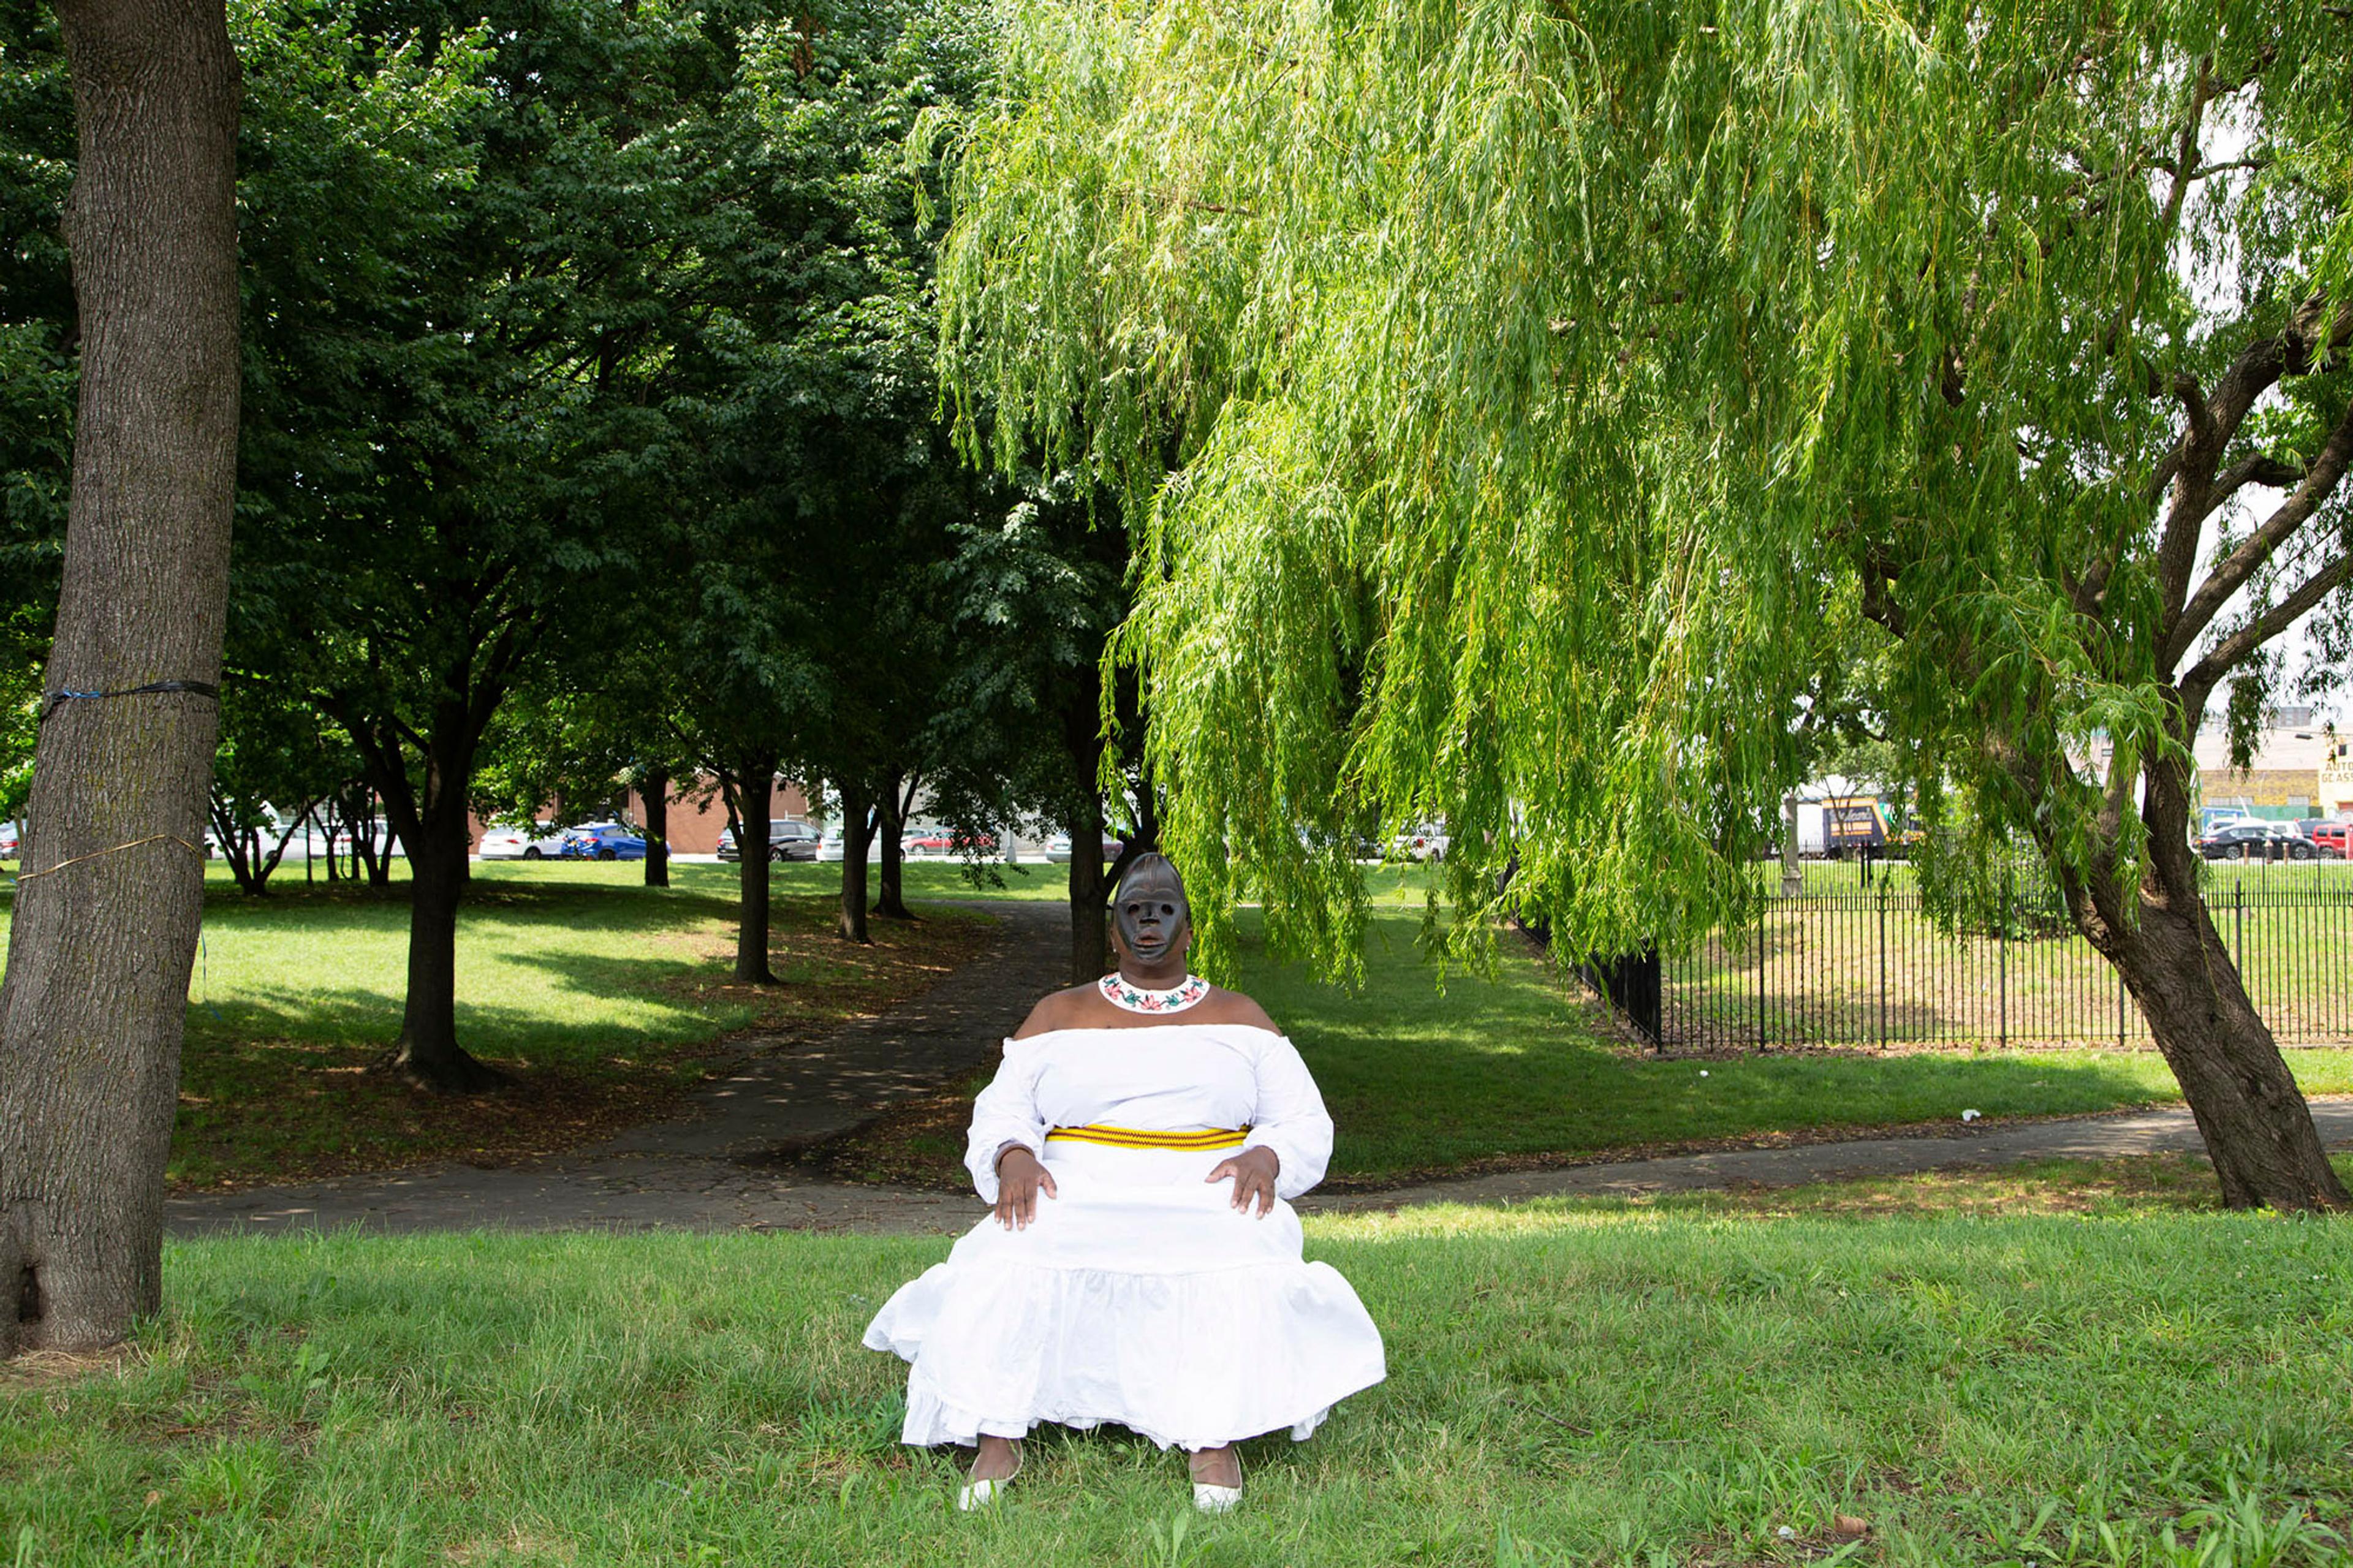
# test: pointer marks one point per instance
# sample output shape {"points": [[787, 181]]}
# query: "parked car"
{"points": [[2256, 841], [8, 840], [829, 849], [927, 843], [316, 841], [542, 839], [602, 841], [936, 843], [787, 841], [1058, 848], [2333, 839]]}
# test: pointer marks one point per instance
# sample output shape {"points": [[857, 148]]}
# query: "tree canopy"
{"points": [[1524, 404], [1552, 390]]}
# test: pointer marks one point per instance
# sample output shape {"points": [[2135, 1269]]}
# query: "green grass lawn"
{"points": [[1515, 1066], [1518, 1068], [603, 998], [1591, 1384], [606, 999]]}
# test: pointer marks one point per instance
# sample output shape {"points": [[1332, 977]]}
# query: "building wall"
{"points": [[2285, 775], [698, 814], [2293, 792]]}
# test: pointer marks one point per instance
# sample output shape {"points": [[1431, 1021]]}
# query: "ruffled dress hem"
{"points": [[1156, 1353]]}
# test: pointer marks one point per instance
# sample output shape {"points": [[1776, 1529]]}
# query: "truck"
{"points": [[1854, 823]]}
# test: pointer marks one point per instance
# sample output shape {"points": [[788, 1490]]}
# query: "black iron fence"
{"points": [[1862, 964]]}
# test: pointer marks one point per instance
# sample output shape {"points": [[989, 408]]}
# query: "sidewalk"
{"points": [[2169, 1131]]}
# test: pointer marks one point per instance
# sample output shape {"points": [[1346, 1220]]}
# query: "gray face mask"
{"points": [[1151, 914]]}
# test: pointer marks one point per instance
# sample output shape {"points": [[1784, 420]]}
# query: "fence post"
{"points": [[1764, 906], [1883, 963], [2239, 930], [2002, 941]]}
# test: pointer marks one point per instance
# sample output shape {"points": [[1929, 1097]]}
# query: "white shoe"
{"points": [[1210, 1498], [980, 1494]]}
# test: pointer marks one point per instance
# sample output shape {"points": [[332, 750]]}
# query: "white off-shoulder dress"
{"points": [[1140, 1295]]}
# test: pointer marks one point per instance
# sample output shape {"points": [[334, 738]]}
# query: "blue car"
{"points": [[602, 841]]}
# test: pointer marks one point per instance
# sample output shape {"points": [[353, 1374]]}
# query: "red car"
{"points": [[2332, 838], [935, 843]]}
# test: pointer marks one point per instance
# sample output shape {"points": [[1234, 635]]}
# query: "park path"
{"points": [[726, 1163]]}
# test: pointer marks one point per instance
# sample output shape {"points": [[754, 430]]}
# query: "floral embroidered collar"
{"points": [[1120, 992]]}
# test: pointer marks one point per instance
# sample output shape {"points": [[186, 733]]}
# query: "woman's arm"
{"points": [[1006, 1112], [1292, 1121]]}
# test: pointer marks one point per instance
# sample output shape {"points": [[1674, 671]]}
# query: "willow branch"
{"points": [[2226, 655], [2319, 480]]}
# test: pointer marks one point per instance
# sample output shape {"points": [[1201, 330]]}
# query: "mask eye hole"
{"points": [[1167, 911]]}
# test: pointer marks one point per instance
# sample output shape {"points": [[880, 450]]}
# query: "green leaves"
{"points": [[1523, 407]]}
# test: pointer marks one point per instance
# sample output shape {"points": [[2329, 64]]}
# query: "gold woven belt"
{"points": [[1141, 1138]]}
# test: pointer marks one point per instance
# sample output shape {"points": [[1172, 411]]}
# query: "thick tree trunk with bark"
{"points": [[891, 839], [110, 896], [2258, 1130], [655, 792], [755, 788], [857, 833]]}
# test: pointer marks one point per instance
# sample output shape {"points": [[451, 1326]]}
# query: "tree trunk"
{"points": [[233, 840], [655, 792], [435, 825], [1082, 745], [754, 788], [428, 1054], [891, 835], [2257, 1128], [111, 894], [1143, 839], [266, 866], [1090, 893], [378, 853], [856, 832]]}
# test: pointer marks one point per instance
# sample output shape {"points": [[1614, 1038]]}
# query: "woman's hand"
{"points": [[1253, 1171], [1020, 1179]]}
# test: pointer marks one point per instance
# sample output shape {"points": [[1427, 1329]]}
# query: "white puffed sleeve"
{"points": [[1290, 1119], [1006, 1112]]}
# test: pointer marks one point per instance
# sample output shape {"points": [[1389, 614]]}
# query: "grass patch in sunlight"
{"points": [[1627, 1386]]}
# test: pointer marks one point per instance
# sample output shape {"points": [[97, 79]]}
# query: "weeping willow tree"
{"points": [[1526, 404]]}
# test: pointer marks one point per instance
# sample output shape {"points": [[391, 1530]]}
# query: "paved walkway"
{"points": [[2164, 1131], [727, 1162]]}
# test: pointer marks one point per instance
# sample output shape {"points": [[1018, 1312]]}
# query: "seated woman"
{"points": [[1143, 1265]]}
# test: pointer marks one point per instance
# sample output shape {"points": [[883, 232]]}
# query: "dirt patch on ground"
{"points": [[39, 1369], [918, 1143]]}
